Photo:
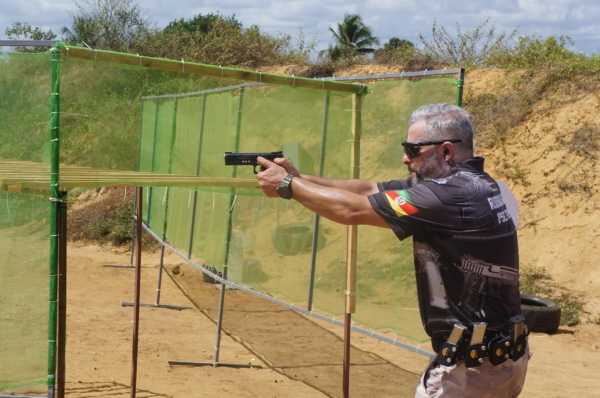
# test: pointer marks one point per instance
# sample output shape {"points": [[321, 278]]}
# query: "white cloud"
{"points": [[387, 18]]}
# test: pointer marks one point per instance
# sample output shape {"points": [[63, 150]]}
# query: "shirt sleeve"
{"points": [[396, 185], [416, 209]]}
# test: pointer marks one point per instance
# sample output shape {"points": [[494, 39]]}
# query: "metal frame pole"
{"points": [[162, 249], [136, 306], [160, 270], [220, 320], [152, 163], [459, 91], [165, 216], [315, 238], [204, 97], [352, 244]]}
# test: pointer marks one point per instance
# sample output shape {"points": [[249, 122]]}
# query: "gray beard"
{"points": [[429, 170]]}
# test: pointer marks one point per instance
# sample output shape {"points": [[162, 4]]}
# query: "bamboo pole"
{"points": [[351, 245], [54, 213], [206, 70], [62, 303]]}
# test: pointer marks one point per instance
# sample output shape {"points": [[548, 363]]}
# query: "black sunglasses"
{"points": [[412, 150]]}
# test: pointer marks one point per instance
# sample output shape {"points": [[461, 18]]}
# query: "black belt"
{"points": [[499, 346], [489, 336]]}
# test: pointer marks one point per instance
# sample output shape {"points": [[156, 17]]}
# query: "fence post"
{"points": [[351, 244], [459, 90], [55, 199]]}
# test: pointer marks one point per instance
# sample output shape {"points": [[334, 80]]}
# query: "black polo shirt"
{"points": [[465, 247]]}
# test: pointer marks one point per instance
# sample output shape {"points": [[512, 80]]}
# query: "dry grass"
{"points": [[104, 216]]}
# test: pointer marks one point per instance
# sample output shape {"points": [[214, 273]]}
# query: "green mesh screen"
{"points": [[24, 223], [115, 117], [271, 241], [24, 249]]}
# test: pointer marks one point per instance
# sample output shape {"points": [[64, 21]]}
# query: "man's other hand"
{"points": [[287, 164], [271, 175]]}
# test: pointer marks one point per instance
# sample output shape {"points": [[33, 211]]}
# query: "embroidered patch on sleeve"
{"points": [[400, 203]]}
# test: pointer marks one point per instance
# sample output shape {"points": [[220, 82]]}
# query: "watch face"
{"points": [[283, 189]]}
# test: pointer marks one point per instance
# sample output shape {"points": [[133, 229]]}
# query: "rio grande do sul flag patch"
{"points": [[400, 203]]}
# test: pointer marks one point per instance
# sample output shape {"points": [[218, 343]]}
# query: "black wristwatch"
{"points": [[284, 189]]}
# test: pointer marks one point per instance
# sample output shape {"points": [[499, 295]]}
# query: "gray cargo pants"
{"points": [[485, 381]]}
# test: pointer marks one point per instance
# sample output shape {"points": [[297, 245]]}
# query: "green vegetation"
{"points": [[116, 25], [116, 227], [535, 281], [517, 174], [480, 47], [120, 25], [24, 31], [106, 217]]}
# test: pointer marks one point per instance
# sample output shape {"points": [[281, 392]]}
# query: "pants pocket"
{"points": [[490, 379]]}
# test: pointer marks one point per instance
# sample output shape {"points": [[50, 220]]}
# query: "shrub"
{"points": [[534, 280], [472, 48], [227, 43]]}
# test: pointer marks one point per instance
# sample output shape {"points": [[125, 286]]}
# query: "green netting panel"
{"points": [[24, 105], [386, 290], [146, 146], [25, 86], [271, 241], [24, 253], [185, 161], [330, 275], [219, 127], [210, 228], [161, 162]]}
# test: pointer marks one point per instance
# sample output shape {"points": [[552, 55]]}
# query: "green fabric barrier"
{"points": [[134, 118]]}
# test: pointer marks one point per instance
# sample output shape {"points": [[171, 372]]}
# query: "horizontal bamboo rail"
{"points": [[207, 70], [19, 176]]}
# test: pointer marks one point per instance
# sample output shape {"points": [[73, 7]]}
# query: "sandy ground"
{"points": [[299, 356]]}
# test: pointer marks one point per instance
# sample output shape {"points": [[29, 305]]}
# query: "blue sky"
{"points": [[388, 18]]}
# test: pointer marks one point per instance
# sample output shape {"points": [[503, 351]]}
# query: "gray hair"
{"points": [[445, 122]]}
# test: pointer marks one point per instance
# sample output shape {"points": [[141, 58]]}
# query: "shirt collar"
{"points": [[473, 165]]}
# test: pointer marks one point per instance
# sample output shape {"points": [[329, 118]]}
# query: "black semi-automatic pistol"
{"points": [[249, 159]]}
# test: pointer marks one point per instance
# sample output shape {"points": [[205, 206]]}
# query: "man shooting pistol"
{"points": [[465, 249]]}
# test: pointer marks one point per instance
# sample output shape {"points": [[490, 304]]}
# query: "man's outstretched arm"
{"points": [[360, 187], [339, 205]]}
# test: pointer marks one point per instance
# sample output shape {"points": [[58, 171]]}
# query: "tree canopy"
{"points": [[352, 38]]}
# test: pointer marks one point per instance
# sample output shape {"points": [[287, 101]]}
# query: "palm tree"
{"points": [[353, 38], [83, 32]]}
